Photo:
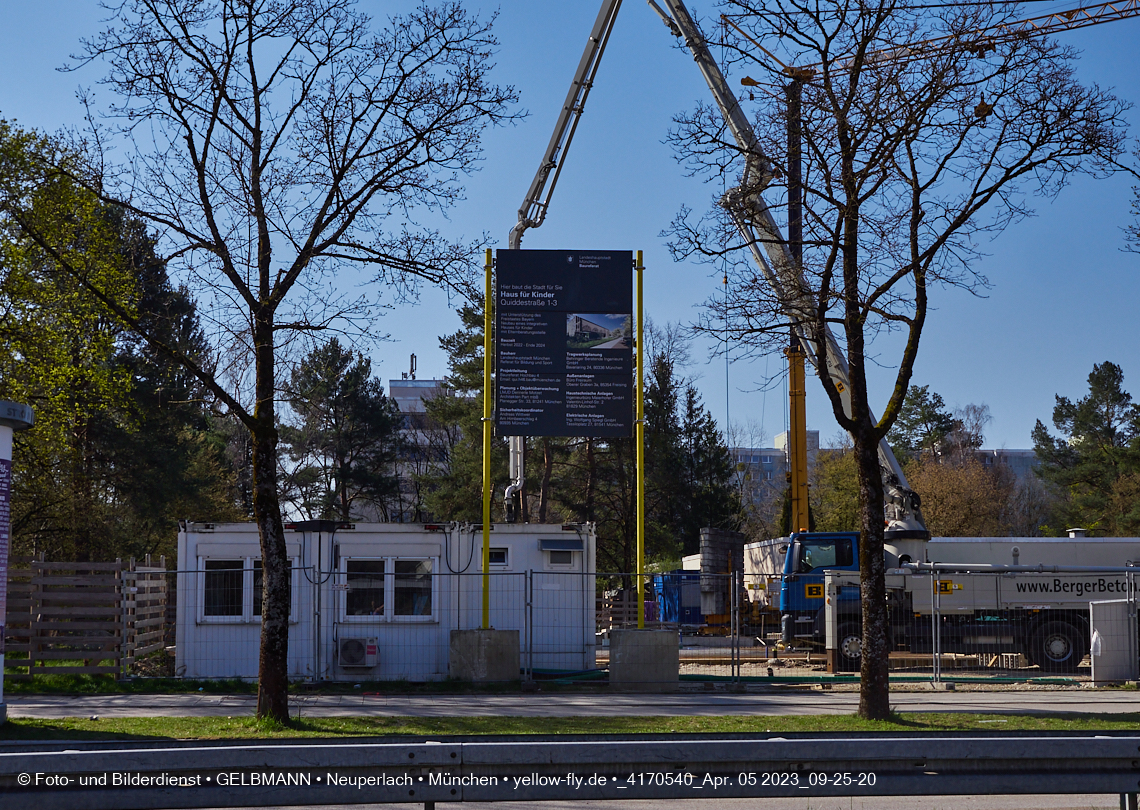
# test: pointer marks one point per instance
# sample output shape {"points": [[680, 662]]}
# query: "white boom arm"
{"points": [[537, 200], [770, 251]]}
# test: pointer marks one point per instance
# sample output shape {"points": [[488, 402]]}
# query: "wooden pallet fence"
{"points": [[620, 611], [144, 611], [76, 618], [17, 627], [82, 618]]}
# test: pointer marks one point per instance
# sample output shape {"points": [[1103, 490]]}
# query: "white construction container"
{"points": [[377, 601]]}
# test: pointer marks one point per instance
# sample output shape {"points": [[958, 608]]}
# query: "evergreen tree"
{"points": [[1095, 462], [688, 472], [163, 460], [922, 425], [711, 499], [122, 447], [453, 490], [346, 438]]}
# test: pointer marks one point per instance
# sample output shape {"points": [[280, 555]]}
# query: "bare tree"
{"points": [[1028, 507], [272, 143], [969, 431], [961, 497], [760, 498], [909, 157]]}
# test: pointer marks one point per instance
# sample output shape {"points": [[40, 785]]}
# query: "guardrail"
{"points": [[131, 776]]}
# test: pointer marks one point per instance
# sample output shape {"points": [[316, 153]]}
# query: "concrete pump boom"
{"points": [[537, 200], [749, 212], [760, 232]]}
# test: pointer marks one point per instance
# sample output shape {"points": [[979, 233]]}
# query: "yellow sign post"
{"points": [[487, 446], [797, 437], [639, 434]]}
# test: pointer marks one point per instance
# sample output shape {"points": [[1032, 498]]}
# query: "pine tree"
{"points": [[346, 438], [454, 489], [1095, 463], [922, 425]]}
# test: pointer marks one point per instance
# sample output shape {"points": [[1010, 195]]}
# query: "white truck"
{"points": [[1028, 595]]}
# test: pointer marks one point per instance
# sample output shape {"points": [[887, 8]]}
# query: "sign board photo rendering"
{"points": [[564, 343]]}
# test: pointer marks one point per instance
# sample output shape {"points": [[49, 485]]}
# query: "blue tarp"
{"points": [[678, 596]]}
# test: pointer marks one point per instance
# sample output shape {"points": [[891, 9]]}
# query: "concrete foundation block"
{"points": [[484, 655], [644, 660]]}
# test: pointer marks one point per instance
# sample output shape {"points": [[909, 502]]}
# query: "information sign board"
{"points": [[564, 343]]}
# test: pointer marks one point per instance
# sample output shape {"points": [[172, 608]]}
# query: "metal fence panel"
{"points": [[984, 623], [364, 622], [1113, 647]]}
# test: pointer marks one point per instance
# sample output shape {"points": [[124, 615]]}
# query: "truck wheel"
{"points": [[1058, 647], [849, 647]]}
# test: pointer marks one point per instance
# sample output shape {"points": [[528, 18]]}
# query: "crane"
{"points": [[533, 210], [982, 40], [776, 257], [987, 39]]}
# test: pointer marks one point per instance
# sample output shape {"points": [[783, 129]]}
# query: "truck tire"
{"points": [[849, 647], [1058, 647]]}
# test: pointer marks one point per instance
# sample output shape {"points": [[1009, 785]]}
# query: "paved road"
{"points": [[782, 702]]}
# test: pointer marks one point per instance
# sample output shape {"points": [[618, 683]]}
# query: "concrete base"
{"points": [[644, 661], [483, 656]]}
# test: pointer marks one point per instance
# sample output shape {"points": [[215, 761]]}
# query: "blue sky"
{"points": [[1064, 295]]}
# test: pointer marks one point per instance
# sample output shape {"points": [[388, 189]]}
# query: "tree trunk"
{"points": [[273, 673], [874, 689], [342, 484]]}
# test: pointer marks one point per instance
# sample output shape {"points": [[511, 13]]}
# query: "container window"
{"points": [[365, 580], [223, 591], [412, 588]]}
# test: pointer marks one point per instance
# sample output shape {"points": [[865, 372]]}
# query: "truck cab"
{"points": [[802, 597]]}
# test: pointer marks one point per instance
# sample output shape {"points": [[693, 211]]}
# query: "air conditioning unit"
{"points": [[357, 652]]}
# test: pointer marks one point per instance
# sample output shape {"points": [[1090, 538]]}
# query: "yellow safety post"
{"points": [[639, 433], [487, 446], [797, 436]]}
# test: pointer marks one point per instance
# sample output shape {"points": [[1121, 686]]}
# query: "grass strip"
{"points": [[248, 728], [106, 684]]}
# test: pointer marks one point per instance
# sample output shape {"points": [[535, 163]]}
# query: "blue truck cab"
{"points": [[802, 596]]}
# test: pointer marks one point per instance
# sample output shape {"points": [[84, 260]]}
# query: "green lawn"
{"points": [[233, 728]]}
